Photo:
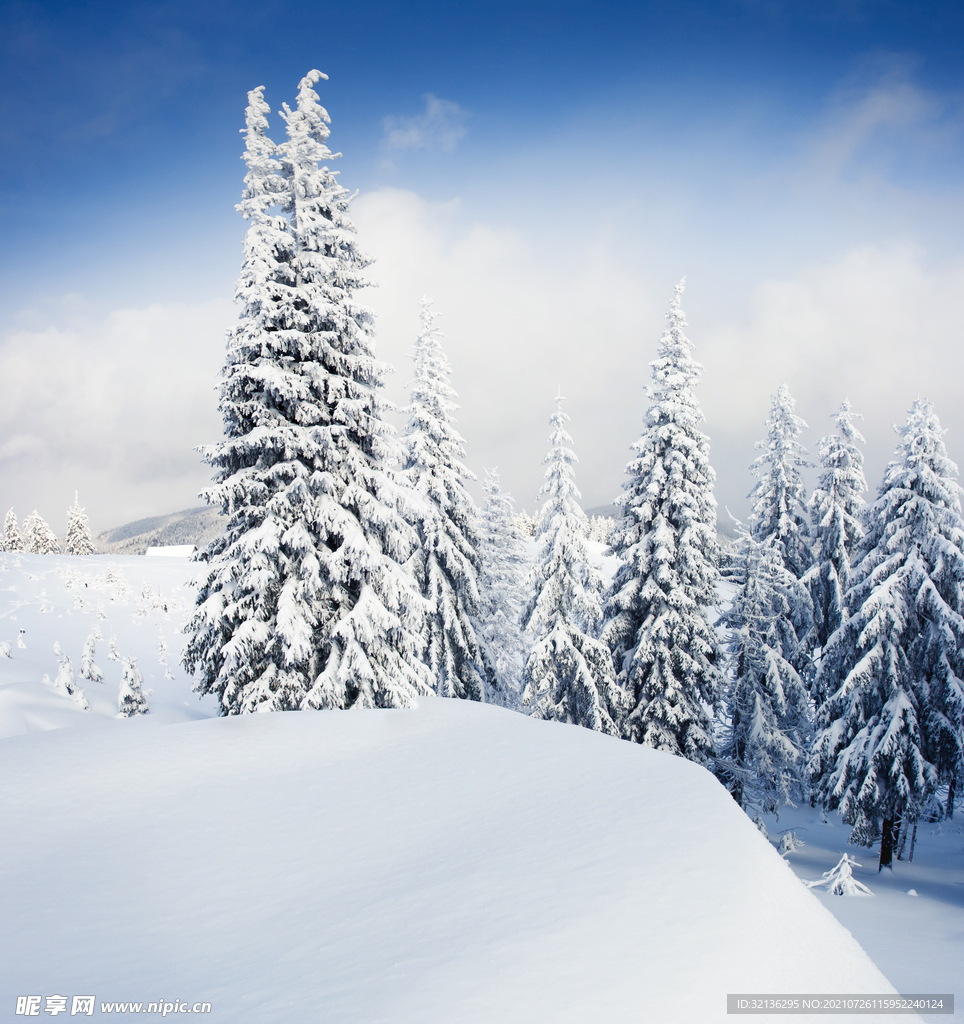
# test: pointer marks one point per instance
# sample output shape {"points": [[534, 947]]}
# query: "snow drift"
{"points": [[450, 863]]}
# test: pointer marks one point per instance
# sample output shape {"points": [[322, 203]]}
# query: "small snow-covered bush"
{"points": [[840, 881]]}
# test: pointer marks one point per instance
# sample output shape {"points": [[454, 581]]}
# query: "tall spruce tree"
{"points": [[779, 518], [501, 589], [767, 707], [891, 725], [835, 512], [78, 540], [304, 601], [448, 562], [780, 497], [568, 675], [665, 651]]}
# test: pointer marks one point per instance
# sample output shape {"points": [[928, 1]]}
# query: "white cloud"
{"points": [[111, 406], [441, 126], [521, 317], [880, 325], [883, 124]]}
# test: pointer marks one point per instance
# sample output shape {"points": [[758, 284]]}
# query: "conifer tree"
{"points": [[131, 699], [665, 651], [88, 668], [891, 725], [779, 519], [447, 563], [568, 675], [12, 539], [78, 540], [45, 540], [767, 707], [304, 601], [780, 497], [66, 681], [835, 510], [28, 531], [501, 587]]}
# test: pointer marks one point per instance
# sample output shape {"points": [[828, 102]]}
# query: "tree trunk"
{"points": [[903, 840], [950, 800], [887, 843], [913, 839]]}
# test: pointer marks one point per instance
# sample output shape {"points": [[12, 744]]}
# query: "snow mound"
{"points": [[450, 863]]}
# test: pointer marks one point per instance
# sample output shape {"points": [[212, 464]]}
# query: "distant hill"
{"points": [[610, 511], [190, 526]]}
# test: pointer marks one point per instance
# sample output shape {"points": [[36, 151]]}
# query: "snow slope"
{"points": [[451, 863], [918, 941], [47, 599]]}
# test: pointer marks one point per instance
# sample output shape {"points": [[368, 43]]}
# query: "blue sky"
{"points": [[546, 172]]}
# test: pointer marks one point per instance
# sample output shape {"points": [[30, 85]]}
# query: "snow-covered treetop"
{"points": [[317, 204], [675, 372], [565, 584], [837, 500], [835, 510], [670, 485], [922, 465], [262, 186], [919, 499], [779, 498], [435, 448]]}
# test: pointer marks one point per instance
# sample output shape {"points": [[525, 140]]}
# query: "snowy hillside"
{"points": [[455, 862], [190, 526]]}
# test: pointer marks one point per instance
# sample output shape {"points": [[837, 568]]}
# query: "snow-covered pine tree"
{"points": [[568, 675], [88, 669], [779, 518], [840, 881], [131, 699], [525, 524], [835, 510], [501, 591], [780, 497], [447, 562], [66, 683], [79, 541], [12, 539], [112, 653], [28, 531], [665, 651], [45, 540], [767, 707], [304, 601], [891, 726]]}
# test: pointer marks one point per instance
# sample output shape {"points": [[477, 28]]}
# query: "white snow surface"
{"points": [[453, 862], [58, 599]]}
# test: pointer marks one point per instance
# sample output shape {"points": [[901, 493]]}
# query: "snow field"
{"points": [[452, 862], [918, 942], [59, 599]]}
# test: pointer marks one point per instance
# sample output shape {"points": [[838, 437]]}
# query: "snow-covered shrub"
{"points": [[840, 881]]}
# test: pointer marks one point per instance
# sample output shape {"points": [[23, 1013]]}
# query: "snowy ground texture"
{"points": [[449, 863]]}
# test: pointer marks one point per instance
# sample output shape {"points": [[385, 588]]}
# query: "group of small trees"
{"points": [[131, 699], [355, 570], [34, 535]]}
